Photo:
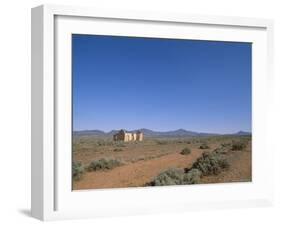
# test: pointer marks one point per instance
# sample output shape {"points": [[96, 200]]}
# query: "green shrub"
{"points": [[238, 146], [204, 146], [210, 163], [118, 149], [177, 177], [185, 151], [103, 164], [77, 170]]}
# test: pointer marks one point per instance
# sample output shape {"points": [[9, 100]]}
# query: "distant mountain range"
{"points": [[151, 133], [242, 133]]}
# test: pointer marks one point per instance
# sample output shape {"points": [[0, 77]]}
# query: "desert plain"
{"points": [[99, 162]]}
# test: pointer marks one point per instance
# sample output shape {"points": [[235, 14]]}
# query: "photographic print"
{"points": [[160, 112]]}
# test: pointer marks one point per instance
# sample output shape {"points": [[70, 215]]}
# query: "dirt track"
{"points": [[135, 174]]}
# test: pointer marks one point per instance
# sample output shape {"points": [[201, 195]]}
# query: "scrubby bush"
{"points": [[210, 163], [204, 146], [118, 149], [77, 170], [192, 176], [238, 146], [224, 164], [222, 149], [177, 177], [169, 177], [185, 151], [103, 164]]}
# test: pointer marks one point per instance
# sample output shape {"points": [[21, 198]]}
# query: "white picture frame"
{"points": [[52, 197]]}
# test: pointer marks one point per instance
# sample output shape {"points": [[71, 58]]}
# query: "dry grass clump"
{"points": [[204, 146], [118, 149], [185, 151], [103, 164], [77, 170]]}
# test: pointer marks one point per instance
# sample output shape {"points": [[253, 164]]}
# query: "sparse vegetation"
{"points": [[120, 144], [156, 158], [161, 142], [103, 164], [176, 176], [210, 163], [185, 151], [204, 146], [77, 170], [104, 143], [118, 149], [222, 150], [169, 177], [224, 164], [192, 176], [226, 145], [238, 145]]}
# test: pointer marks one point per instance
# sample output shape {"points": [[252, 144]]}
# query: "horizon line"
{"points": [[159, 130]]}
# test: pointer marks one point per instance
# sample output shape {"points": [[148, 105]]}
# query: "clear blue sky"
{"points": [[160, 84]]}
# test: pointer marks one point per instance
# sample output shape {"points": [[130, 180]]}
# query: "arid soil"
{"points": [[142, 162], [135, 174]]}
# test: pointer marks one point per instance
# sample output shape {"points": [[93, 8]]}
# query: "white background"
{"points": [[15, 112]]}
